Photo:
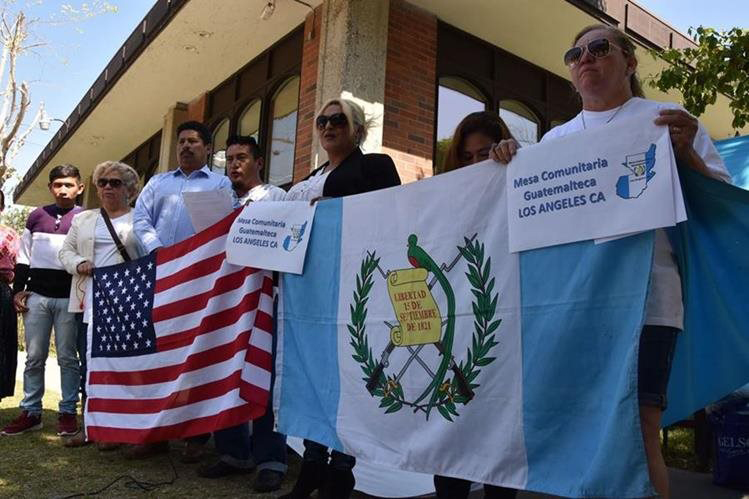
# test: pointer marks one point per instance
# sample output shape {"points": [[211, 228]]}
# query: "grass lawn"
{"points": [[36, 465], [680, 453]]}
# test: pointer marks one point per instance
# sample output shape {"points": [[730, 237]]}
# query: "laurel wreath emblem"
{"points": [[484, 306]]}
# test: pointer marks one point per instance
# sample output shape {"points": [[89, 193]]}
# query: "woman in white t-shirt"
{"points": [[603, 69], [89, 244]]}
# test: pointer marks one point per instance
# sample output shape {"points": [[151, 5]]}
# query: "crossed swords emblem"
{"points": [[463, 386]]}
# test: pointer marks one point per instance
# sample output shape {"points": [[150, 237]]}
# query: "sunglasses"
{"points": [[114, 182], [337, 119], [597, 48]]}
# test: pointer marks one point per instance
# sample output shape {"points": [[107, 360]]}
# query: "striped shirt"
{"points": [[38, 267]]}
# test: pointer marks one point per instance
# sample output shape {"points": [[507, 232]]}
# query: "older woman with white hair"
{"points": [[98, 238], [341, 128]]}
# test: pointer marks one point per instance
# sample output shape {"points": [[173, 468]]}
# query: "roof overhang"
{"points": [[541, 31], [197, 47]]}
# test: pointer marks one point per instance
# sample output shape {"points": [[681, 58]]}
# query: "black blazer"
{"points": [[360, 173]]}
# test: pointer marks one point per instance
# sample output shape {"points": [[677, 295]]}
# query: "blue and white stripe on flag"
{"points": [[712, 248], [415, 341]]}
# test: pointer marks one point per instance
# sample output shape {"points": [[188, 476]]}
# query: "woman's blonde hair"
{"points": [[358, 123], [127, 173]]}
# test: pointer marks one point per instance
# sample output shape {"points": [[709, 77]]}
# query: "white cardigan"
{"points": [[79, 247]]}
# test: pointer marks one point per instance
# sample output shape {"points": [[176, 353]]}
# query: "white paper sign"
{"points": [[271, 235], [610, 181], [208, 207]]}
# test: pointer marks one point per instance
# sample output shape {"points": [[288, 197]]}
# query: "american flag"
{"points": [[180, 343]]}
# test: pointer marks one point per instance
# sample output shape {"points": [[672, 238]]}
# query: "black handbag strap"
{"points": [[115, 238]]}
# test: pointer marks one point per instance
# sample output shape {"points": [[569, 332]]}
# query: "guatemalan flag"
{"points": [[180, 343], [416, 341]]}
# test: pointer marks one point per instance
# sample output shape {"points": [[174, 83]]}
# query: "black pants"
{"points": [[8, 341], [319, 453]]}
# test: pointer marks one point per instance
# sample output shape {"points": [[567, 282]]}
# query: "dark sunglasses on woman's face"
{"points": [[114, 182], [598, 48], [337, 119]]}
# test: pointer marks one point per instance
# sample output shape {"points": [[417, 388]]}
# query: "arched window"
{"points": [[220, 135], [456, 98], [249, 120], [283, 132], [521, 121]]}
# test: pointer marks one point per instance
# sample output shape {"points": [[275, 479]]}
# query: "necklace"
{"points": [[582, 115]]}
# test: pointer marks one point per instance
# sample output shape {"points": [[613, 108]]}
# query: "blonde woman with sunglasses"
{"points": [[341, 128], [603, 69], [90, 244]]}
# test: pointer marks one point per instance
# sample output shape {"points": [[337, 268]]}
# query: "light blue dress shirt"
{"points": [[161, 218]]}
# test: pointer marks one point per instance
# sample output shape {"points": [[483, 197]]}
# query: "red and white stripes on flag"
{"points": [[209, 364]]}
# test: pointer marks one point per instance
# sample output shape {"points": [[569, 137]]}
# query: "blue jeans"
{"points": [[265, 447], [43, 314]]}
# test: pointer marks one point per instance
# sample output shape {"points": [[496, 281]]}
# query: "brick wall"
{"points": [[307, 88], [410, 90], [196, 108]]}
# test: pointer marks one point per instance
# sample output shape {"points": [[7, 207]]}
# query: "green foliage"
{"points": [[15, 217], [442, 146], [719, 64]]}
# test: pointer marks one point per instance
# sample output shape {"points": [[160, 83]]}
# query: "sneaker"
{"points": [[23, 423], [221, 469], [67, 424], [267, 481]]}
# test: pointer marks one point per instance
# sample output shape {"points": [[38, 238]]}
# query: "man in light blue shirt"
{"points": [[160, 217]]}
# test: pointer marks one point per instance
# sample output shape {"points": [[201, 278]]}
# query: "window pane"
{"points": [[249, 122], [218, 159], [457, 98], [522, 123], [283, 133]]}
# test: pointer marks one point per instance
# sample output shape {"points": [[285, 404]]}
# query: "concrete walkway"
{"points": [[51, 373], [684, 484]]}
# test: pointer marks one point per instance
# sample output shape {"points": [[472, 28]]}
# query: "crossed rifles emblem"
{"points": [[420, 323]]}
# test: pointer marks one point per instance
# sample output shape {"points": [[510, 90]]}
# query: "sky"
{"points": [[75, 53], [683, 14]]}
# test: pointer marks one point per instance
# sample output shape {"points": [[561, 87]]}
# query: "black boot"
{"points": [[338, 484], [310, 479]]}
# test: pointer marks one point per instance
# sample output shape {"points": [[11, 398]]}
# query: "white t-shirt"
{"points": [[106, 252], [664, 306], [263, 192], [309, 189]]}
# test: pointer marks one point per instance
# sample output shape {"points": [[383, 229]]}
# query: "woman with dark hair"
{"points": [[9, 245], [341, 127], [472, 142], [603, 69]]}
